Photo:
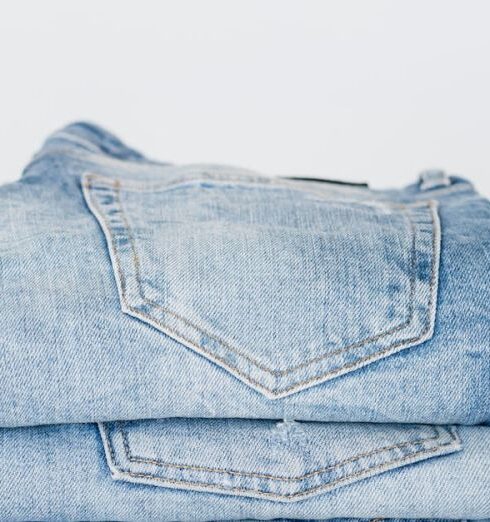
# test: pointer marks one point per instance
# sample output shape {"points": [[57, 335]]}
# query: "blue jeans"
{"points": [[207, 343]]}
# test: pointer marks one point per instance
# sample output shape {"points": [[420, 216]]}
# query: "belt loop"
{"points": [[433, 178]]}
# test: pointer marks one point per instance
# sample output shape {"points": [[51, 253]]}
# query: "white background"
{"points": [[355, 89]]}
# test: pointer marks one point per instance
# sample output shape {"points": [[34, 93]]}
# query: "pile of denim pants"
{"points": [[204, 342]]}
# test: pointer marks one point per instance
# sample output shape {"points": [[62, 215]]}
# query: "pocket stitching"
{"points": [[115, 185], [454, 439], [142, 460], [358, 344]]}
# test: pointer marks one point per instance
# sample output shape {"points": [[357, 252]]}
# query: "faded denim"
{"points": [[249, 347]]}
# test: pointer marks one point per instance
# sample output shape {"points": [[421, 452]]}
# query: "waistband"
{"points": [[97, 146]]}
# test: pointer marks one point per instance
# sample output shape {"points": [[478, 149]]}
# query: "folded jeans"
{"points": [[205, 342]]}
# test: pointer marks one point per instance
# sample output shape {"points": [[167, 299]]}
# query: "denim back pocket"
{"points": [[284, 461], [282, 286]]}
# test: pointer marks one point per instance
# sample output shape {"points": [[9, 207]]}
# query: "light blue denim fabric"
{"points": [[61, 473], [194, 311], [254, 296]]}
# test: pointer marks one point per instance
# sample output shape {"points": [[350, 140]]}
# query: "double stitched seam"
{"points": [[358, 344], [143, 460], [299, 494], [116, 187], [137, 265]]}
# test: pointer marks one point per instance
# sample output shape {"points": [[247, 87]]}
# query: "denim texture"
{"points": [[205, 342], [61, 473]]}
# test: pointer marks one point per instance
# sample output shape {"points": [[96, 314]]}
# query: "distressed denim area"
{"points": [[205, 342], [286, 461]]}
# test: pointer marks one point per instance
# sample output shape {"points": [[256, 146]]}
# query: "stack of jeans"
{"points": [[208, 343]]}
